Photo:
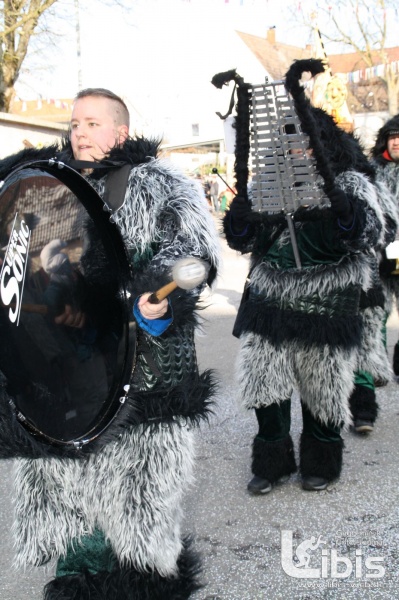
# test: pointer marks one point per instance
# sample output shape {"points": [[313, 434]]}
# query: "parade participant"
{"points": [[386, 159], [301, 327], [378, 301], [113, 518]]}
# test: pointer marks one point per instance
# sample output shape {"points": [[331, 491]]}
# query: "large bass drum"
{"points": [[67, 339]]}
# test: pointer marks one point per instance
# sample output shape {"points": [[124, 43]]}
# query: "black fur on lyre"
{"points": [[241, 125], [335, 150], [303, 109]]}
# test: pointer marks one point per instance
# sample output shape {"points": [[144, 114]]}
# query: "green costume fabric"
{"points": [[318, 244], [275, 424], [92, 552]]}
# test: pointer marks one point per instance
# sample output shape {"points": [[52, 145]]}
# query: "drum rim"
{"points": [[94, 206]]}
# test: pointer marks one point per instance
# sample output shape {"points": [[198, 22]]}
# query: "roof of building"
{"points": [[353, 61], [36, 122], [365, 92], [53, 110], [274, 56]]}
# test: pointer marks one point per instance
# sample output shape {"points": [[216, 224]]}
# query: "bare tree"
{"points": [[19, 19], [29, 27], [362, 25]]}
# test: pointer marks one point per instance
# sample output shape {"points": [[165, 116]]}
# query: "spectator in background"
{"points": [[377, 303], [214, 192], [225, 198]]}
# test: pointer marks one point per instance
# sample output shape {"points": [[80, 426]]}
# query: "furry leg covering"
{"points": [[320, 459], [324, 376], [396, 359], [131, 490], [272, 460], [363, 404], [126, 583], [372, 354]]}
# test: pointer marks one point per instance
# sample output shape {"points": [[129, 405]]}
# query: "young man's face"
{"points": [[94, 130], [393, 147]]}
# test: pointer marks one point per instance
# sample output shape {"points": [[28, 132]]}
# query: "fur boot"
{"points": [[124, 583], [272, 460], [363, 404], [320, 459], [396, 359]]}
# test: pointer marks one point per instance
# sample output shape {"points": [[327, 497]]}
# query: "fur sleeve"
{"points": [[165, 217], [389, 209], [368, 228], [156, 194]]}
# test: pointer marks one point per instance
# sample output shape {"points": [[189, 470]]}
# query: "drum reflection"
{"points": [[63, 327]]}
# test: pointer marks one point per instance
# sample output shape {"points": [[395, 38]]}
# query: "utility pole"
{"points": [[78, 46]]}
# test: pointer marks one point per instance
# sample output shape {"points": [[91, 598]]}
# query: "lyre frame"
{"points": [[284, 175]]}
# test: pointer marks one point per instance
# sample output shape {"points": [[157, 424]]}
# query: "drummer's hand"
{"points": [[71, 317], [152, 311]]}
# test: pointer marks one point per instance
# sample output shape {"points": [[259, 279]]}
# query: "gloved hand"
{"points": [[341, 205], [240, 212]]}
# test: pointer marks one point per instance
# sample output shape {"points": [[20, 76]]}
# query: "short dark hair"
{"points": [[122, 110]]}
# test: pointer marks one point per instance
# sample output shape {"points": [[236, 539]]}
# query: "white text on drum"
{"points": [[14, 269]]}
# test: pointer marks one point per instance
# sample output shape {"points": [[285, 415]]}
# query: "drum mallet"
{"points": [[187, 273]]}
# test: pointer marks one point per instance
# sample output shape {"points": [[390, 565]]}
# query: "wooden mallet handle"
{"points": [[187, 273], [161, 294]]}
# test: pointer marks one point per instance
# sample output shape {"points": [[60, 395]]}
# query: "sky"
{"points": [[161, 39], [160, 55]]}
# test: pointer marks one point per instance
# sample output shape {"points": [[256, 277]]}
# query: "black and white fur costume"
{"points": [[375, 303], [374, 368], [274, 339], [131, 488], [302, 328], [388, 174]]}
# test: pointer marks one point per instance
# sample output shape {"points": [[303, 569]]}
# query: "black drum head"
{"points": [[67, 346]]}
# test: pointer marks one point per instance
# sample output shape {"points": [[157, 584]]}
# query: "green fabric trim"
{"points": [[364, 379], [141, 260], [274, 421], [340, 303], [91, 553], [323, 433], [318, 244]]}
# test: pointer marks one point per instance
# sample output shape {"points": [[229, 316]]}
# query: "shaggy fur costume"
{"points": [[320, 459], [272, 460], [130, 584], [302, 327], [376, 304], [396, 359], [388, 175], [363, 403], [131, 486]]}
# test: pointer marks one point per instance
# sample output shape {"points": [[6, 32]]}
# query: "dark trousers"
{"points": [[320, 452], [275, 423]]}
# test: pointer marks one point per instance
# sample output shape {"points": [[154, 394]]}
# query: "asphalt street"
{"points": [[251, 546]]}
